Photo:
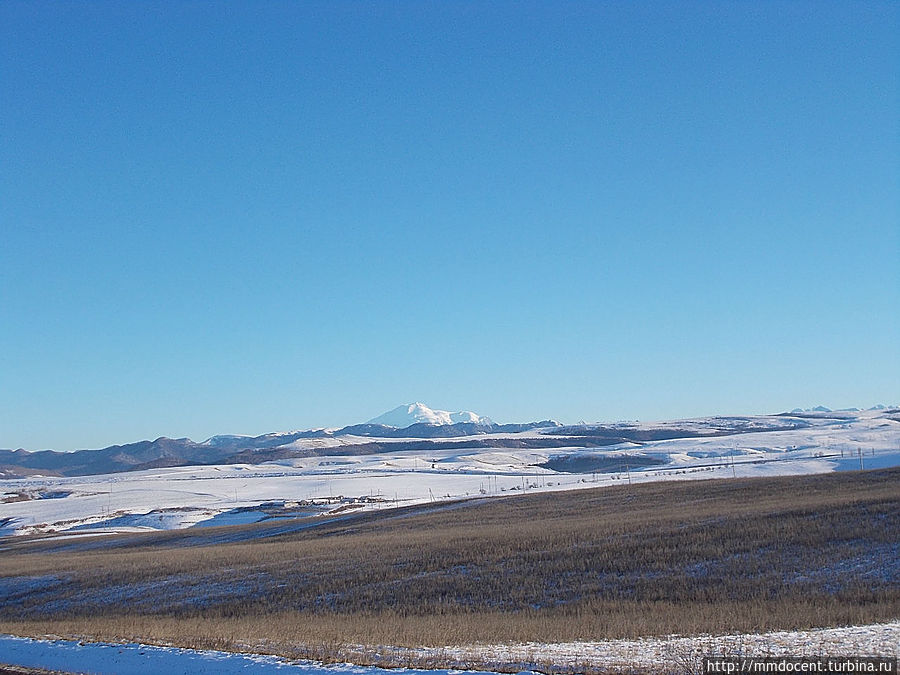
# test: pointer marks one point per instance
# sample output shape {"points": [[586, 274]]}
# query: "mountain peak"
{"points": [[817, 409], [419, 413]]}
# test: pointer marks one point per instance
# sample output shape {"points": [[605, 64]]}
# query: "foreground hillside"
{"points": [[717, 556]]}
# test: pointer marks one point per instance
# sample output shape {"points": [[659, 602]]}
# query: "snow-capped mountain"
{"points": [[419, 413]]}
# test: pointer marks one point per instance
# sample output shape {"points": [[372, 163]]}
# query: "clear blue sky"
{"points": [[253, 216]]}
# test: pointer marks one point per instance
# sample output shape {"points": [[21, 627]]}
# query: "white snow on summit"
{"points": [[419, 413]]}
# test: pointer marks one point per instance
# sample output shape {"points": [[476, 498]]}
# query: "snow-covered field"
{"points": [[668, 654], [182, 497]]}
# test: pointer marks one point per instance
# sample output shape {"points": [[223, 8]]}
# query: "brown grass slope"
{"points": [[711, 556]]}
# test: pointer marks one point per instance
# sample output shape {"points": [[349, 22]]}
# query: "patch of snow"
{"points": [[222, 439], [681, 653]]}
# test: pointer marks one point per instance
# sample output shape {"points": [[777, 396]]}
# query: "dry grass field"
{"points": [[712, 556]]}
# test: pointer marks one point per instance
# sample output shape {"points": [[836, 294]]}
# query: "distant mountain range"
{"points": [[413, 426], [823, 409], [412, 421]]}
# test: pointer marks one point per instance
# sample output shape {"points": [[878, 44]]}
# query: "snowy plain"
{"points": [[180, 497]]}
